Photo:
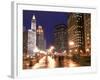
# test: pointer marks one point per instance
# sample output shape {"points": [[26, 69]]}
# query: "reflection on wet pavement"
{"points": [[45, 62], [49, 62]]}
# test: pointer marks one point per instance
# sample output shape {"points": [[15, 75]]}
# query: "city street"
{"points": [[45, 62], [56, 61]]}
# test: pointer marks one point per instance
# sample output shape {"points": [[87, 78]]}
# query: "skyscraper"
{"points": [[32, 36], [60, 37], [76, 38], [41, 43]]}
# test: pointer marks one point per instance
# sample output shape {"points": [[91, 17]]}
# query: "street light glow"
{"points": [[70, 51], [36, 50], [75, 50], [87, 50], [71, 43], [51, 49]]}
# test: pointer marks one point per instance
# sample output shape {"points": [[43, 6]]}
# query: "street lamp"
{"points": [[71, 43], [76, 50], [87, 50], [81, 51], [51, 49], [70, 51]]}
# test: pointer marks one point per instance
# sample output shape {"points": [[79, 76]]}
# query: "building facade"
{"points": [[25, 40], [76, 38], [87, 29], [32, 36], [60, 37], [41, 42]]}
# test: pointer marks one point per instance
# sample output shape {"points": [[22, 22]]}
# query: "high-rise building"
{"points": [[32, 36], [60, 37], [25, 40], [76, 38], [41, 42], [87, 32]]}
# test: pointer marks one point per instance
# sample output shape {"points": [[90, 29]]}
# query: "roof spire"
{"points": [[33, 17]]}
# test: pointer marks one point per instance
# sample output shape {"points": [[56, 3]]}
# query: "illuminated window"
{"points": [[88, 38]]}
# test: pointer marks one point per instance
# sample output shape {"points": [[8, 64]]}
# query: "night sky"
{"points": [[48, 20]]}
